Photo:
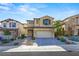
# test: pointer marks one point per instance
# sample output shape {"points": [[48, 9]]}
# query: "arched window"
{"points": [[46, 21]]}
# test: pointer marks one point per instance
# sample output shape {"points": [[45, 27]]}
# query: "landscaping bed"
{"points": [[65, 40]]}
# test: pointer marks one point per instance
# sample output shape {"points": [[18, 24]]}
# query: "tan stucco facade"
{"points": [[71, 24]]}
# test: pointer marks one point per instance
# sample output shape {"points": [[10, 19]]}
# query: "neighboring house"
{"points": [[15, 27], [71, 24], [40, 27]]}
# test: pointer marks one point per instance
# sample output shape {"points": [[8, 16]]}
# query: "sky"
{"points": [[27, 11]]}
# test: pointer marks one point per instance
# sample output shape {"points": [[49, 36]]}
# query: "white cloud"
{"points": [[7, 4], [34, 9], [23, 8], [4, 8], [27, 9]]}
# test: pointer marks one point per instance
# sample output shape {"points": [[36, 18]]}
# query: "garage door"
{"points": [[44, 34]]}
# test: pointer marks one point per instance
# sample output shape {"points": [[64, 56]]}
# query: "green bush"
{"points": [[33, 38], [23, 36], [12, 39], [7, 32], [16, 43], [19, 37], [5, 41], [62, 39]]}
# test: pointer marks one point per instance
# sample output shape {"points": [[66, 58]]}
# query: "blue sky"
{"points": [[28, 11]]}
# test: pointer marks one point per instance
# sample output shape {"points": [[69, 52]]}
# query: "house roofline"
{"points": [[70, 17], [11, 20]]}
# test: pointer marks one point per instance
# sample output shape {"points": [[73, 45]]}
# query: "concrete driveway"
{"points": [[48, 41]]}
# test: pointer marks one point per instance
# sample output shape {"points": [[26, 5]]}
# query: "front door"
{"points": [[30, 33]]}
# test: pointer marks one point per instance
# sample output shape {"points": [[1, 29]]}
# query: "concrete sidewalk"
{"points": [[24, 48]]}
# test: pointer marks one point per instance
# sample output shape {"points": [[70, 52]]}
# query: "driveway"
{"points": [[49, 41]]}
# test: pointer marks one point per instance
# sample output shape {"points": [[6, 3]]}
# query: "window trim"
{"points": [[45, 20], [4, 25]]}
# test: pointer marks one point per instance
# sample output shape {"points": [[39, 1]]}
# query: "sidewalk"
{"points": [[24, 48]]}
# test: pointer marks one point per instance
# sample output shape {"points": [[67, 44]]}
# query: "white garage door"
{"points": [[44, 34]]}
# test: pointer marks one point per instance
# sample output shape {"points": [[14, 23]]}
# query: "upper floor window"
{"points": [[46, 22], [77, 20], [4, 25], [13, 24]]}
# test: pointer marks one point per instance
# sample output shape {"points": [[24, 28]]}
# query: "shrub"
{"points": [[7, 32], [12, 39], [23, 36], [62, 39], [19, 37], [5, 41], [16, 43], [33, 38]]}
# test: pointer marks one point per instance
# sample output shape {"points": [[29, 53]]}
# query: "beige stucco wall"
{"points": [[41, 21]]}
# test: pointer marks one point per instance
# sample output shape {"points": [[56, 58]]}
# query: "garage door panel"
{"points": [[44, 34]]}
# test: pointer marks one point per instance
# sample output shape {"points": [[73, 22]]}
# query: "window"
{"points": [[4, 25], [77, 20], [46, 22], [13, 24]]}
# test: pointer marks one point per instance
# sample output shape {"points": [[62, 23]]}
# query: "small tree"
{"points": [[59, 31]]}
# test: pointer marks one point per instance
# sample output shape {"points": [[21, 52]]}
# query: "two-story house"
{"points": [[15, 27], [40, 27], [71, 24]]}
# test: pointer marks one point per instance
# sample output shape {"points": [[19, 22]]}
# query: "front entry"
{"points": [[30, 33]]}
